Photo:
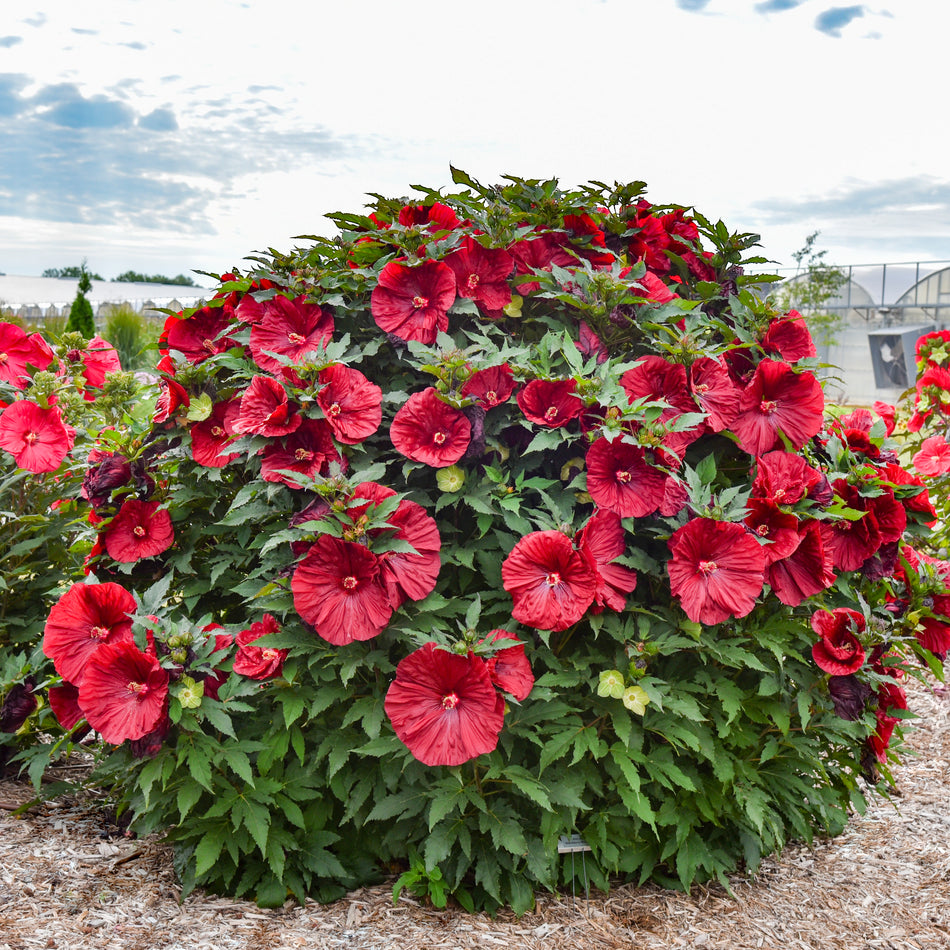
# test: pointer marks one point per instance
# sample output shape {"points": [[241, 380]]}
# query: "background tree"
{"points": [[75, 273], [81, 317], [134, 277]]}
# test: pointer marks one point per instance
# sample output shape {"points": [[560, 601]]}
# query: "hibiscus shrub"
{"points": [[504, 515]]}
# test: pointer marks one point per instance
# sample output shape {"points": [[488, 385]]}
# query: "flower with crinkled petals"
{"points": [[140, 529], [804, 572], [211, 437], [934, 636], [412, 303], [491, 387], [18, 705], [98, 358], [714, 389], [265, 410], [601, 541], [64, 701], [309, 450], [294, 329], [444, 707], [481, 274], [659, 380], [620, 478], [84, 618], [201, 335], [851, 543], [37, 438], [919, 501], [933, 457], [552, 403], [838, 652], [123, 692], [890, 696], [428, 430], [789, 337], [778, 401], [350, 403], [509, 668], [783, 478], [434, 217], [18, 351], [717, 570], [539, 253], [780, 528], [259, 662], [338, 590], [551, 584]]}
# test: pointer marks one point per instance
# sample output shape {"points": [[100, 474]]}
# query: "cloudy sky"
{"points": [[170, 135]]}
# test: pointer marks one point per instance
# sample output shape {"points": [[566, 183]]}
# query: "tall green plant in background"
{"points": [[134, 336], [81, 319]]}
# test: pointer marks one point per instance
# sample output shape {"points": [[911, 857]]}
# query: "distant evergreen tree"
{"points": [[81, 318]]}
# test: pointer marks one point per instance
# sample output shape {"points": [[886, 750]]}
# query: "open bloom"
{"points": [[18, 351], [933, 457], [123, 692], [37, 438], [99, 358], [211, 437], [601, 540], [481, 274], [140, 529], [619, 478], [265, 409], [81, 621], [444, 707], [491, 386], [201, 335], [292, 329], [551, 584], [412, 303], [309, 450], [838, 652], [350, 402], [428, 430], [550, 402], [717, 570]]}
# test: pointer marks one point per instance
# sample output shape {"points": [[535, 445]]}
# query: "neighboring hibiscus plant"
{"points": [[503, 515]]}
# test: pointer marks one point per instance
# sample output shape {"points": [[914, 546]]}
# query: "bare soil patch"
{"points": [[884, 883]]}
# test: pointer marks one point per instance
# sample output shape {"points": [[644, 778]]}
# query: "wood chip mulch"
{"points": [[884, 883]]}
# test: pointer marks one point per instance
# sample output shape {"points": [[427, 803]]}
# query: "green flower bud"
{"points": [[635, 699], [450, 479], [611, 684], [189, 693]]}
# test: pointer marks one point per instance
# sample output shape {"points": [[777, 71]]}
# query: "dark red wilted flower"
{"points": [[491, 387], [778, 400], [551, 584], [123, 692], [18, 705], [211, 437], [601, 541], [620, 478], [412, 303], [294, 329], [338, 590], [81, 621], [309, 450], [838, 652], [259, 662], [550, 403], [37, 438], [849, 695], [428, 430], [350, 402], [18, 351], [804, 572], [509, 668], [106, 472], [444, 707], [481, 274], [717, 570], [265, 409], [140, 529]]}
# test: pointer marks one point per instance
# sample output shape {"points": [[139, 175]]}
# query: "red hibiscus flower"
{"points": [[265, 409], [593, 246], [37, 438], [789, 337], [551, 584], [140, 529], [337, 589], [411, 574], [427, 430], [201, 335], [717, 570], [601, 541], [550, 403], [890, 696], [851, 543], [297, 330], [84, 618], [539, 253], [18, 351], [804, 572], [933, 457], [434, 217], [310, 450], [888, 413], [650, 287], [838, 652], [481, 274], [443, 707], [98, 358], [656, 380], [934, 636], [715, 391], [259, 663], [350, 402], [509, 668], [778, 400], [123, 692], [920, 501], [779, 528], [491, 387], [784, 478], [412, 303], [590, 344], [619, 478], [211, 437], [64, 701]]}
